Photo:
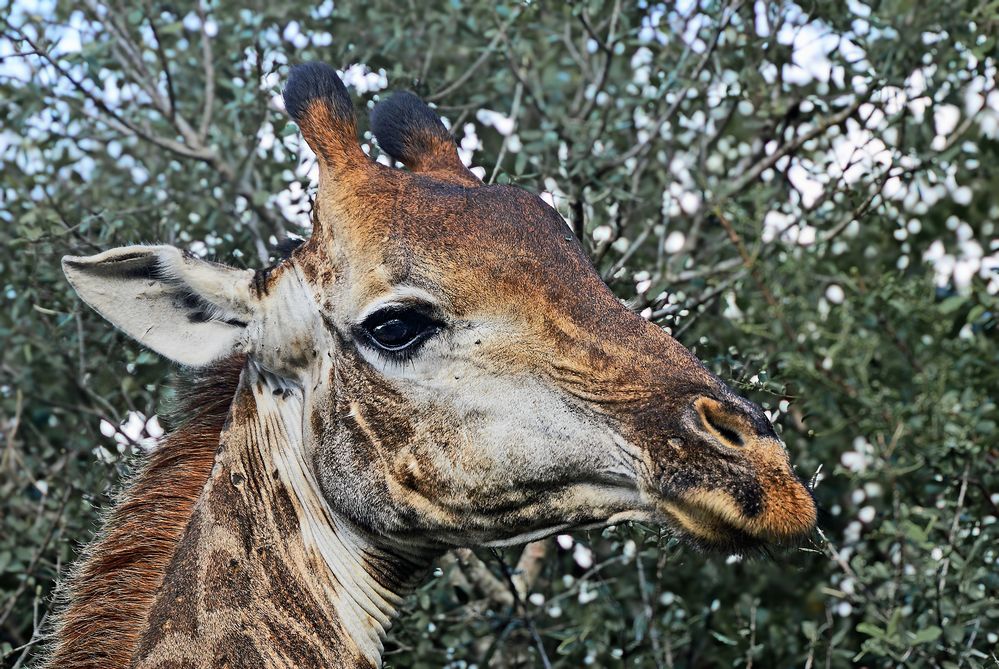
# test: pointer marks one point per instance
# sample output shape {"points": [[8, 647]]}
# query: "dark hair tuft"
{"points": [[286, 246], [407, 129], [308, 82]]}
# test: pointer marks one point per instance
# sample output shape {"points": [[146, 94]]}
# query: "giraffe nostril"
{"points": [[725, 433], [721, 422]]}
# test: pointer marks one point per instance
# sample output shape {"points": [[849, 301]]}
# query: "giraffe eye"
{"points": [[399, 330]]}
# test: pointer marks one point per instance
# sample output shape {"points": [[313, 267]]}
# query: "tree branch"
{"points": [[208, 63]]}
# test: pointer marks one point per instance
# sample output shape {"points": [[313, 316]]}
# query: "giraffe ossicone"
{"points": [[437, 366]]}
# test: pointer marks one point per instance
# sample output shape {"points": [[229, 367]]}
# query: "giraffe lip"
{"points": [[708, 527], [700, 526]]}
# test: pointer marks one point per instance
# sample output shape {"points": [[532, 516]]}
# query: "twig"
{"points": [[833, 553], [753, 174], [749, 261], [467, 74], [164, 63], [522, 607], [514, 111], [608, 48], [42, 547], [951, 537], [858, 211], [671, 111], [10, 455], [703, 298], [36, 637], [650, 612], [529, 566], [208, 63], [479, 575], [111, 117], [192, 147]]}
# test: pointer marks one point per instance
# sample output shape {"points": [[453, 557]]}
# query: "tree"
{"points": [[800, 193]]}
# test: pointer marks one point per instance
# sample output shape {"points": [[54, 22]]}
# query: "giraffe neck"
{"points": [[266, 574]]}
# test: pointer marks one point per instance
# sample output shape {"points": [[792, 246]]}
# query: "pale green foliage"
{"points": [[776, 222]]}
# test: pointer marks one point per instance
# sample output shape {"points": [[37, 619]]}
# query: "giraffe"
{"points": [[437, 366]]}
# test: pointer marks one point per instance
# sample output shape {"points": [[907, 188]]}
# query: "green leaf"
{"points": [[872, 630], [927, 635], [728, 641], [951, 304]]}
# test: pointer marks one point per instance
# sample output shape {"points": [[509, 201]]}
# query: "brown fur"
{"points": [[110, 594], [244, 588], [440, 160], [413, 475], [334, 136]]}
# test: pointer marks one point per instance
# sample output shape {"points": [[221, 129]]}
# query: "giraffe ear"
{"points": [[318, 102], [412, 133], [189, 310]]}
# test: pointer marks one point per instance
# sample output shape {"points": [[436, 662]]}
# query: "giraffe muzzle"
{"points": [[734, 488]]}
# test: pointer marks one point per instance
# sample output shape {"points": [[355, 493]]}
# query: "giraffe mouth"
{"points": [[712, 522], [704, 528]]}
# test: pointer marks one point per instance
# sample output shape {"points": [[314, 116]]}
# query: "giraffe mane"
{"points": [[107, 598]]}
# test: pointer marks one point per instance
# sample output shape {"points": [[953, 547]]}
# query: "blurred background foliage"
{"points": [[803, 193]]}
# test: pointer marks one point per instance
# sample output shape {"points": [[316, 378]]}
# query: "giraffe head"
{"points": [[467, 377]]}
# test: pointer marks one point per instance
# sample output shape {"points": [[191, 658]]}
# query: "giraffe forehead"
{"points": [[477, 248]]}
